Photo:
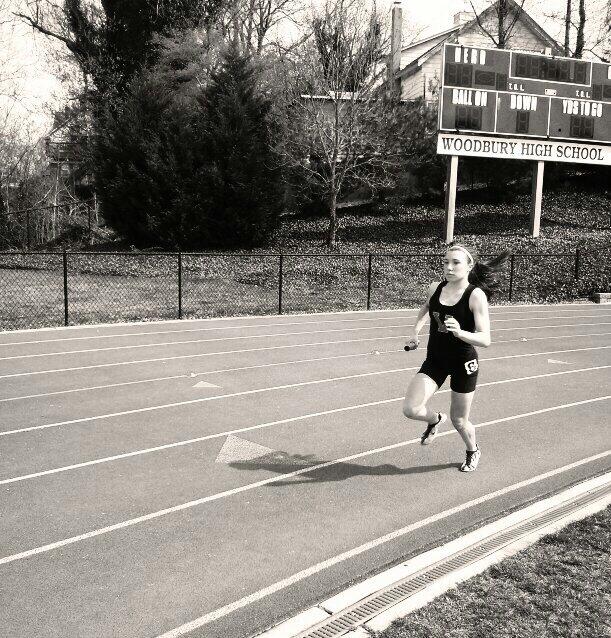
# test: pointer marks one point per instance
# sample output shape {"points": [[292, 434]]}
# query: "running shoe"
{"points": [[473, 457], [431, 431]]}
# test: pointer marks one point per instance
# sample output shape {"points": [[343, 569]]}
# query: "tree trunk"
{"points": [[333, 222], [580, 40], [567, 29], [502, 13]]}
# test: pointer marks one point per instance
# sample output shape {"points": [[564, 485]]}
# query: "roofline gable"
{"points": [[413, 66], [447, 32], [532, 24]]}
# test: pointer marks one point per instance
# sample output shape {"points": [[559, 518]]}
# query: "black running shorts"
{"points": [[463, 373]]}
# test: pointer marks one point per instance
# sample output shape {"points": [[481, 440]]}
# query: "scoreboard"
{"points": [[499, 92]]}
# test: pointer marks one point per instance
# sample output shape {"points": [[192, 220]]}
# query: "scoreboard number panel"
{"points": [[524, 95]]}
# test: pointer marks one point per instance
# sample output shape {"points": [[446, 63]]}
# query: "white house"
{"points": [[417, 67]]}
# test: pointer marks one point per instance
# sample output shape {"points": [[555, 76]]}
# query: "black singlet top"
{"points": [[441, 342]]}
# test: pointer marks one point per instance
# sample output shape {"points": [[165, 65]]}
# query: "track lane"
{"points": [[138, 567], [216, 552], [112, 330], [167, 477], [26, 384], [46, 410]]}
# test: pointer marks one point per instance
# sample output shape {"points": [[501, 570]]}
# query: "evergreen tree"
{"points": [[240, 181], [143, 159], [180, 170]]}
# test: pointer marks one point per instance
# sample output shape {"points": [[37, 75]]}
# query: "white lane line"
{"points": [[588, 334], [218, 397], [193, 356], [578, 307], [272, 335], [93, 387], [195, 374], [225, 352], [273, 479], [269, 325], [271, 365], [314, 569], [261, 426], [239, 327], [564, 325], [203, 399], [529, 308], [192, 341]]}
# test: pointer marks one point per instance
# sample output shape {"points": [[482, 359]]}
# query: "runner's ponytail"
{"points": [[484, 274]]}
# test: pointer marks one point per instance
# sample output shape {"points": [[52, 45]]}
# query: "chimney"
{"points": [[394, 59], [462, 17]]}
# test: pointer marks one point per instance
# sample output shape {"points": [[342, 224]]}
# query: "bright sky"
{"points": [[24, 71]]}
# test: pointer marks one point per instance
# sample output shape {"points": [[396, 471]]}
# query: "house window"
{"points": [[468, 118], [522, 122], [582, 127]]}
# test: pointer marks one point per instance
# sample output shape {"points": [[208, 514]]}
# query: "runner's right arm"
{"points": [[422, 314]]}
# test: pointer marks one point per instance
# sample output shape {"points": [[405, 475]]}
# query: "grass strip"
{"points": [[559, 587]]}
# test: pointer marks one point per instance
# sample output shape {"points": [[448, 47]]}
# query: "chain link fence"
{"points": [[53, 289]]}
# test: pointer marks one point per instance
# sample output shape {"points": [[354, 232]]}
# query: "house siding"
{"points": [[418, 85], [521, 37], [409, 54]]}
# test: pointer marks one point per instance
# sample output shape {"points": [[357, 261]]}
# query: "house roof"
{"points": [[432, 40], [438, 40]]}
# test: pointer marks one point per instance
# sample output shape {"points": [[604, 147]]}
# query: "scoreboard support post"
{"points": [[522, 105], [537, 196], [451, 181]]}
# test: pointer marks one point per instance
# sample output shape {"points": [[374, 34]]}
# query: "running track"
{"points": [[210, 478]]}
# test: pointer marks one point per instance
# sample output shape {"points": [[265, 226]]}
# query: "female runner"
{"points": [[458, 311]]}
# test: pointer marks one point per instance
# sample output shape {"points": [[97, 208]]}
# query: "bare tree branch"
{"points": [[481, 26]]}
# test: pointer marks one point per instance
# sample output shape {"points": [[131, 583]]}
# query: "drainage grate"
{"points": [[352, 617]]}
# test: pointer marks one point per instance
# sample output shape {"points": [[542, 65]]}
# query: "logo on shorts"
{"points": [[471, 366]]}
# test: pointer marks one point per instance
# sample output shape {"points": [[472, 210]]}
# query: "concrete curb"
{"points": [[294, 627]]}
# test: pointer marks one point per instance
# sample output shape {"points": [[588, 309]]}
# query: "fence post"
{"points": [[511, 278], [280, 285], [180, 285], [65, 256], [369, 283], [577, 251], [27, 228]]}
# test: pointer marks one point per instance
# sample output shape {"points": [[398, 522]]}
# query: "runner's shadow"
{"points": [[335, 472]]}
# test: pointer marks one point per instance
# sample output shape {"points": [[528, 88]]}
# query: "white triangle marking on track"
{"points": [[238, 450], [205, 384]]}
